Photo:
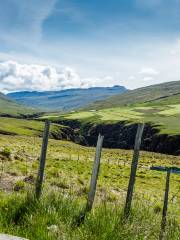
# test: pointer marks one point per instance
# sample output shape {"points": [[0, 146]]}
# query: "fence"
{"points": [[29, 164]]}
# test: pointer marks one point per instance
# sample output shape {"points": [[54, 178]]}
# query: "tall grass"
{"points": [[53, 217]]}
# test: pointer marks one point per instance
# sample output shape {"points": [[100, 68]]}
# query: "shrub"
{"points": [[6, 152]]}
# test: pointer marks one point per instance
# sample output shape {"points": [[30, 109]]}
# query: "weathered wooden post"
{"points": [[165, 206], [94, 177], [169, 170], [133, 169], [40, 176], [95, 173]]}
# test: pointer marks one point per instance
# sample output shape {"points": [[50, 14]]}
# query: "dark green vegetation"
{"points": [[67, 176], [10, 108], [66, 99]]}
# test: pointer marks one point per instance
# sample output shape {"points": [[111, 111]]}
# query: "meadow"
{"points": [[15, 126], [67, 177], [164, 117]]}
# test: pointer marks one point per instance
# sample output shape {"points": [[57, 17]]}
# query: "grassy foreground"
{"points": [[54, 217], [67, 177]]}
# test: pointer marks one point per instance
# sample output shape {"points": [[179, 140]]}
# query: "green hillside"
{"points": [[8, 107], [13, 126], [150, 95], [165, 118], [157, 104]]}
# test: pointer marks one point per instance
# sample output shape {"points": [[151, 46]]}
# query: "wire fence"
{"points": [[69, 167]]}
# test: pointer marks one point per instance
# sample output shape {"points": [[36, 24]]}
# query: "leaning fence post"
{"points": [[165, 206], [95, 173], [40, 176], [133, 169]]}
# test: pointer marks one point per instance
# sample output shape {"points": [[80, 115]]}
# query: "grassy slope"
{"points": [[68, 171], [141, 95], [9, 107], [13, 126]]}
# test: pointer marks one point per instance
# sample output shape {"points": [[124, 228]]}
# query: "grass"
{"points": [[14, 126], [53, 217], [157, 104], [67, 174], [14, 109], [21, 126], [165, 93], [165, 117]]}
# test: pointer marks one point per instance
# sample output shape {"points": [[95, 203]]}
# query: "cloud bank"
{"points": [[149, 71], [18, 77]]}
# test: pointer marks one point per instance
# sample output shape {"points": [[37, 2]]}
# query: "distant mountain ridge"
{"points": [[65, 100]]}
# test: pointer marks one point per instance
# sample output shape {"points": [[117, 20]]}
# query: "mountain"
{"points": [[65, 100], [11, 108], [162, 93]]}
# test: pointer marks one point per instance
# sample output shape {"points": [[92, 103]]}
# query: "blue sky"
{"points": [[92, 42]]}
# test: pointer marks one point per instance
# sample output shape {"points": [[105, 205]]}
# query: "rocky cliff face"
{"points": [[122, 135]]}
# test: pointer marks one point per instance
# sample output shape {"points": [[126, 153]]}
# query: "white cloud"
{"points": [[17, 77], [149, 71], [132, 77], [148, 79]]}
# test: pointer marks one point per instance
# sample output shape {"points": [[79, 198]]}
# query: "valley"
{"points": [[70, 157], [89, 120]]}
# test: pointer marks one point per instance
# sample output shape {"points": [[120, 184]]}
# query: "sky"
{"points": [[59, 44]]}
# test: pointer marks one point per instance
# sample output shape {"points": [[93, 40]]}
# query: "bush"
{"points": [[6, 152]]}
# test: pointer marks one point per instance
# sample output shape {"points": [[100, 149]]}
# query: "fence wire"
{"points": [[69, 167]]}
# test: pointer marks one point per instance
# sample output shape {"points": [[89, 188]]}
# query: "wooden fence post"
{"points": [[133, 169], [40, 176], [164, 214], [169, 170], [95, 173]]}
